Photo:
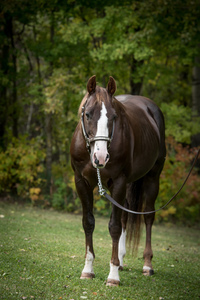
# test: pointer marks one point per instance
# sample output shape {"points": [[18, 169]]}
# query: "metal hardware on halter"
{"points": [[96, 138], [101, 189]]}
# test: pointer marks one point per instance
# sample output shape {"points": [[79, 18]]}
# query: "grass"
{"points": [[42, 256]]}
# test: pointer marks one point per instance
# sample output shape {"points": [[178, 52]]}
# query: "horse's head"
{"points": [[98, 119]]}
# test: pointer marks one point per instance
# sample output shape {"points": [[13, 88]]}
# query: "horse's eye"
{"points": [[87, 115], [114, 117]]}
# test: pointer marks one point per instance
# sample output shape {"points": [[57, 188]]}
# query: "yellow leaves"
{"points": [[35, 194], [170, 211], [71, 183], [35, 191]]}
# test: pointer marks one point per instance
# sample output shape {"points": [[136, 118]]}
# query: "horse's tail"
{"points": [[135, 202]]}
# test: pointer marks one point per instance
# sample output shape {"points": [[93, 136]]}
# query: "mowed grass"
{"points": [[42, 256]]}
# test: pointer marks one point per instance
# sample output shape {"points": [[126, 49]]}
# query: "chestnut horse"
{"points": [[123, 136]]}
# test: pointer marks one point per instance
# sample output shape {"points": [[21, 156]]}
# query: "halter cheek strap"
{"points": [[89, 140]]}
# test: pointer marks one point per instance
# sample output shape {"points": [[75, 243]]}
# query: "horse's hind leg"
{"points": [[85, 193], [122, 240], [150, 188]]}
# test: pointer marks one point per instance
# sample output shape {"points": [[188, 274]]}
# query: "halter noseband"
{"points": [[89, 140]]}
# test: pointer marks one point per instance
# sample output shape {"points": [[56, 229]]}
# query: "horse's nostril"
{"points": [[96, 160], [107, 157]]}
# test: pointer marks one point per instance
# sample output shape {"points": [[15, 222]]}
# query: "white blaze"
{"points": [[102, 125], [100, 147]]}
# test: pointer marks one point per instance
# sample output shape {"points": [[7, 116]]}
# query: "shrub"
{"points": [[21, 166], [186, 206]]}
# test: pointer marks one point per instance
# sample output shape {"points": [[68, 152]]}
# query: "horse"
{"points": [[124, 137]]}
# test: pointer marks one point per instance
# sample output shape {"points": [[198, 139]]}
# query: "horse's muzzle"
{"points": [[99, 160]]}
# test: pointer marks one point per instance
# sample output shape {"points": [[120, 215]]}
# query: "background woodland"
{"points": [[48, 51]]}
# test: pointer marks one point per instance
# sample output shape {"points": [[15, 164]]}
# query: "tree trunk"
{"points": [[48, 129], [3, 87], [135, 86], [196, 98], [48, 119], [15, 111]]}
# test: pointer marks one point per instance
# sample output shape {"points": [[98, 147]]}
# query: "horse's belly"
{"points": [[142, 164]]}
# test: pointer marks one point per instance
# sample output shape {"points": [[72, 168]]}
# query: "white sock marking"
{"points": [[146, 268], [122, 247], [88, 268], [114, 272]]}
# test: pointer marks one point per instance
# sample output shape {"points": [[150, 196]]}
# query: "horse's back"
{"points": [[130, 102], [133, 104], [138, 106]]}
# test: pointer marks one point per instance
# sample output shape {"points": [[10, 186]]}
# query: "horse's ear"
{"points": [[111, 87], [91, 85]]}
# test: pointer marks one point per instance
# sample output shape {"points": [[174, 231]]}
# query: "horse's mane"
{"points": [[82, 104], [101, 95]]}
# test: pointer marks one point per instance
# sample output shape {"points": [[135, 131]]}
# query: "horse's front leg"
{"points": [[85, 193], [115, 228]]}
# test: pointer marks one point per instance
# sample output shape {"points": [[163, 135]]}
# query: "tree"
{"points": [[49, 49], [196, 98]]}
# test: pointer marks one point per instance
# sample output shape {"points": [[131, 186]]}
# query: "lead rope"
{"points": [[102, 192]]}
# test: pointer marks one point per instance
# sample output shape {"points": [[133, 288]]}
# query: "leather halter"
{"points": [[89, 140]]}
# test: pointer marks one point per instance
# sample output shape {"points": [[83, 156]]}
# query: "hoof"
{"points": [[148, 272], [112, 282], [87, 276], [121, 268]]}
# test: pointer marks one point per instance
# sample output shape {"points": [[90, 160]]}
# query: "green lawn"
{"points": [[42, 256]]}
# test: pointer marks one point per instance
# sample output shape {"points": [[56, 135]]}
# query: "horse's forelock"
{"points": [[101, 95]]}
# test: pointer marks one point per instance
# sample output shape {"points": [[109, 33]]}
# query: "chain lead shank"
{"points": [[101, 189]]}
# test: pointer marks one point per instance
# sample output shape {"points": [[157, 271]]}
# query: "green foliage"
{"points": [[186, 206], [179, 122], [102, 206], [21, 166], [50, 49], [64, 194], [60, 195]]}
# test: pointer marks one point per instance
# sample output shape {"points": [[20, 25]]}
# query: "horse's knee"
{"points": [[115, 230], [88, 223]]}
